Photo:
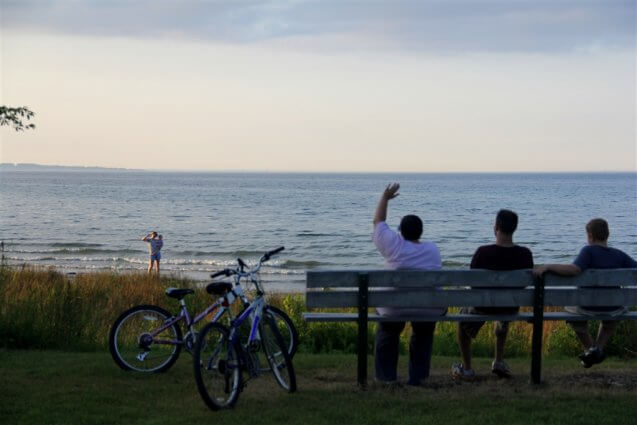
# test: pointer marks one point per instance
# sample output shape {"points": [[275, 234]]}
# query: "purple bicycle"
{"points": [[147, 338]]}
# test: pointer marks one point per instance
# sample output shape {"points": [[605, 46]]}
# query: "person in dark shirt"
{"points": [[596, 255], [503, 255]]}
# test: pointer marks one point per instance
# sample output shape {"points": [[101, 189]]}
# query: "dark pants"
{"points": [[420, 347]]}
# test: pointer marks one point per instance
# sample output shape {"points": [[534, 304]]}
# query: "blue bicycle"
{"points": [[222, 355]]}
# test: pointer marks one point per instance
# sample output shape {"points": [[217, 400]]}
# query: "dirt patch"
{"points": [[599, 380]]}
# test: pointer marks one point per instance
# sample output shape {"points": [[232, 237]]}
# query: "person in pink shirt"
{"points": [[403, 250]]}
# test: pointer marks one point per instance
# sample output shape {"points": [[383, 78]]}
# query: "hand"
{"points": [[391, 191], [538, 271]]}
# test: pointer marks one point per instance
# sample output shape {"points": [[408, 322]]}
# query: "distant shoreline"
{"points": [[200, 280], [5, 166]]}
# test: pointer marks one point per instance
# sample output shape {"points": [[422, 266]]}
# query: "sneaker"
{"points": [[459, 373], [591, 357], [501, 369]]}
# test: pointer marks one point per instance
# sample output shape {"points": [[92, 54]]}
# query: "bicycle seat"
{"points": [[178, 292], [218, 288]]}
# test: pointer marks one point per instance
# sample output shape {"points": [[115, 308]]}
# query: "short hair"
{"points": [[506, 221], [598, 229], [411, 227]]}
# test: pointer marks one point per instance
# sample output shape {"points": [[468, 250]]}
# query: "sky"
{"points": [[329, 86]]}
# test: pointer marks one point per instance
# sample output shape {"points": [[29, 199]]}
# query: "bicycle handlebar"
{"points": [[268, 254], [242, 264], [225, 272]]}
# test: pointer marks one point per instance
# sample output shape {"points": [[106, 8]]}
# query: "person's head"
{"points": [[160, 237], [411, 227], [153, 234], [597, 230], [506, 221]]}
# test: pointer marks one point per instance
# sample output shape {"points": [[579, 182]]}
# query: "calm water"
{"points": [[93, 220]]}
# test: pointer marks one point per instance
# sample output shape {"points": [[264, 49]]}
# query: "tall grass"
{"points": [[46, 309]]}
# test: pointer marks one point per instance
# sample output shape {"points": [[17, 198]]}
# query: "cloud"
{"points": [[431, 26]]}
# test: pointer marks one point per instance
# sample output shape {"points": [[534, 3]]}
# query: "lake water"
{"points": [[89, 220]]}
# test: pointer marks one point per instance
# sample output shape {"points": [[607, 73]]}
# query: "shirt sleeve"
{"points": [[386, 240], [530, 260], [476, 260], [584, 259]]}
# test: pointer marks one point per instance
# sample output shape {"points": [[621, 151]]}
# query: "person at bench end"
{"points": [[403, 250], [596, 255], [503, 255]]}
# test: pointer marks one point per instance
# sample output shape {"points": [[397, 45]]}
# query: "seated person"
{"points": [[596, 255], [407, 251], [503, 255]]}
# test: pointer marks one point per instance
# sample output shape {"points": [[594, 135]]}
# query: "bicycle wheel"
{"points": [[134, 346], [217, 367], [286, 328], [277, 355]]}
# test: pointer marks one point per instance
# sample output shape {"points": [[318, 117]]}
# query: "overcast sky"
{"points": [[323, 86]]}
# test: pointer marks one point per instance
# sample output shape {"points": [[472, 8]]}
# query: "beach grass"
{"points": [[45, 309], [56, 387]]}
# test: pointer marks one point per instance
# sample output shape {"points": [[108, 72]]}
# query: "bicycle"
{"points": [[221, 357], [147, 338]]}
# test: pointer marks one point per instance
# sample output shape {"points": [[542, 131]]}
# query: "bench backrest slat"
{"points": [[474, 278], [332, 279], [613, 277], [419, 278], [414, 298]]}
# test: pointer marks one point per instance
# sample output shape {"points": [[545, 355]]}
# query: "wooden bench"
{"points": [[465, 288]]}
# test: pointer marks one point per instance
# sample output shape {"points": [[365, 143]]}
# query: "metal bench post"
{"points": [[363, 302], [538, 329]]}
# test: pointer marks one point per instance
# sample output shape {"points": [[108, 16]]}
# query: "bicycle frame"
{"points": [[185, 315], [254, 311]]}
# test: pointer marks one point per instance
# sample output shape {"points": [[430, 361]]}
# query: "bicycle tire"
{"points": [[286, 328], [277, 355], [125, 336], [217, 367]]}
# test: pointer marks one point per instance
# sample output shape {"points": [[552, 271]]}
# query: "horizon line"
{"points": [[266, 171]]}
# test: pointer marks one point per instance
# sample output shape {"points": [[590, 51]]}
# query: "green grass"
{"points": [[54, 387]]}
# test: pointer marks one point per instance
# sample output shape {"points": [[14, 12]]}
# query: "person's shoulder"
{"points": [[381, 228], [429, 246], [486, 248], [621, 254], [523, 249]]}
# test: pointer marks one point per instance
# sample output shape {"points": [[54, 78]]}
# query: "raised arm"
{"points": [[390, 192]]}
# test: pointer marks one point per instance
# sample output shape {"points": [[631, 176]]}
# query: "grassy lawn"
{"points": [[52, 387]]}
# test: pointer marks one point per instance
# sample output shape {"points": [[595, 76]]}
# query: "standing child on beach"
{"points": [[155, 243]]}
